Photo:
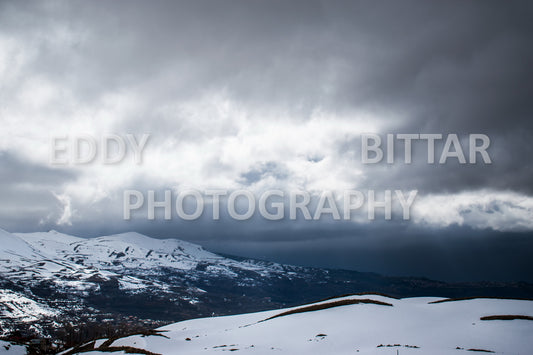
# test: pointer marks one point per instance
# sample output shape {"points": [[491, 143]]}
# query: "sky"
{"points": [[262, 95]]}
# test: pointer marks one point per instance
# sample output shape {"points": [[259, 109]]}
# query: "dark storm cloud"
{"points": [[510, 169], [27, 192], [450, 254], [181, 48], [432, 67], [456, 66], [17, 171], [452, 67]]}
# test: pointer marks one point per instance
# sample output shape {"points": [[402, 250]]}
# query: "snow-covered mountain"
{"points": [[14, 248], [366, 324], [78, 264], [51, 278], [74, 289]]}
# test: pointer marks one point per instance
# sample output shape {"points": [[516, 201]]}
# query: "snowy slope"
{"points": [[13, 247], [40, 257], [79, 264], [127, 250], [16, 306], [11, 349], [124, 272], [49, 279], [409, 326]]}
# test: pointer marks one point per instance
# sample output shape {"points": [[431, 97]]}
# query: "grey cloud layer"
{"points": [[449, 67], [27, 192], [411, 66]]}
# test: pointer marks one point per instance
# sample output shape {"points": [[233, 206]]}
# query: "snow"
{"points": [[77, 266], [410, 326], [414, 325], [178, 247], [13, 246], [16, 306], [126, 249], [51, 236], [49, 243], [47, 253], [11, 349], [131, 283]]}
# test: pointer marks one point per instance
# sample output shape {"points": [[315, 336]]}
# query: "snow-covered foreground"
{"points": [[406, 326], [11, 349]]}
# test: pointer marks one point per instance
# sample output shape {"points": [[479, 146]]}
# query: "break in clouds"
{"points": [[265, 95]]}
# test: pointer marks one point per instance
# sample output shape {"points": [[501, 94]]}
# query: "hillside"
{"points": [[367, 324], [72, 289]]}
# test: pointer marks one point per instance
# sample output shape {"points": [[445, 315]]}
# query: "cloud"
{"points": [[66, 216], [27, 191], [502, 211], [264, 95], [228, 93]]}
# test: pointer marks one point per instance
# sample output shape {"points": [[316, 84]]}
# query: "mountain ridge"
{"points": [[77, 288]]}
